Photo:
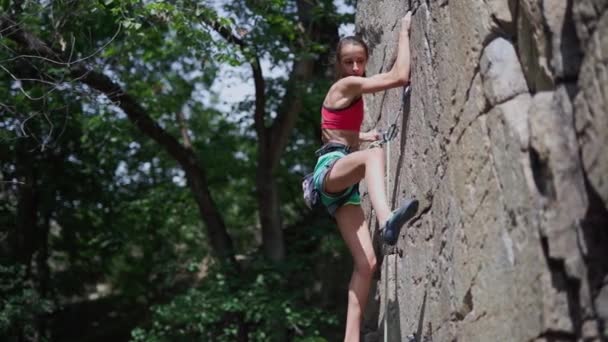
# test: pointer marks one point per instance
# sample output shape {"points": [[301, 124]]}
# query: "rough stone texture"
{"points": [[533, 45], [586, 16], [503, 141], [592, 117], [501, 11], [501, 72]]}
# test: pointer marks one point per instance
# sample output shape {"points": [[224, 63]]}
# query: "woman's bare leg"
{"points": [[350, 169], [354, 230]]}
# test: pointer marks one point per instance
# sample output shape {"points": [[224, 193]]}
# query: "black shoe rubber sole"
{"points": [[392, 228]]}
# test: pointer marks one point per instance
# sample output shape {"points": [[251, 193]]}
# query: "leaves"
{"points": [[112, 209], [224, 304], [23, 302]]}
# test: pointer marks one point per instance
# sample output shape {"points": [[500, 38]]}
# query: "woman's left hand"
{"points": [[372, 135]]}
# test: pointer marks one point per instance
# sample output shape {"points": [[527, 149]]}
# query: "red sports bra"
{"points": [[349, 118]]}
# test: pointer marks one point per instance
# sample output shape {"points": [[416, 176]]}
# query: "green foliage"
{"points": [[115, 205], [21, 303], [256, 303]]}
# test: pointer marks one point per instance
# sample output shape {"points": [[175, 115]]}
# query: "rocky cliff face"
{"points": [[504, 141]]}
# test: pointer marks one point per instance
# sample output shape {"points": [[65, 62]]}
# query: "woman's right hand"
{"points": [[406, 21]]}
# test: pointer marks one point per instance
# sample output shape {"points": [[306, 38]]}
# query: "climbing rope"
{"points": [[390, 133], [386, 137]]}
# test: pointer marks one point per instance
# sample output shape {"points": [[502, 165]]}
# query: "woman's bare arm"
{"points": [[353, 86]]}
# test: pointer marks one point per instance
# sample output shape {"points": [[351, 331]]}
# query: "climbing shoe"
{"points": [[392, 227]]}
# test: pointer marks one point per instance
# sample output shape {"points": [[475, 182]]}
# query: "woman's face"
{"points": [[353, 60]]}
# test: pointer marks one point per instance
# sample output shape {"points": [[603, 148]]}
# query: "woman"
{"points": [[341, 165]]}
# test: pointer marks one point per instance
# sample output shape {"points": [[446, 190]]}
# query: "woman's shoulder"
{"points": [[348, 81], [342, 103], [345, 87]]}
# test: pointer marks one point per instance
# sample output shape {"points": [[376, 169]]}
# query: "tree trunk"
{"points": [[24, 235], [273, 141], [42, 267], [220, 241], [269, 209], [27, 212]]}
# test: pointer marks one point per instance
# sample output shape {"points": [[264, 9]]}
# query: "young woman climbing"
{"points": [[341, 165]]}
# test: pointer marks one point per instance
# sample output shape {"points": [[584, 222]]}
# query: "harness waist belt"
{"points": [[330, 147]]}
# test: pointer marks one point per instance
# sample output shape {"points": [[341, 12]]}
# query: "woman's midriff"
{"points": [[348, 138]]}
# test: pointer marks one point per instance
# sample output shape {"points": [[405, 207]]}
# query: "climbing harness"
{"points": [[312, 198], [312, 195]]}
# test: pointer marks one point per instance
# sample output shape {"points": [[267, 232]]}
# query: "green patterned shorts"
{"points": [[334, 201]]}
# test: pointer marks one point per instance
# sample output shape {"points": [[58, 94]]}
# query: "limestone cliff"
{"points": [[503, 140]]}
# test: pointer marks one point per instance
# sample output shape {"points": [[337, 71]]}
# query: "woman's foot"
{"points": [[392, 227]]}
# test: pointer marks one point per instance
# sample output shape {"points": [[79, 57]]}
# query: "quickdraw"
{"points": [[391, 132]]}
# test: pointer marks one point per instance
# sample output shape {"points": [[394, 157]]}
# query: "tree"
{"points": [[119, 58]]}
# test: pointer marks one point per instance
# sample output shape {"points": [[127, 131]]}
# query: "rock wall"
{"points": [[503, 140]]}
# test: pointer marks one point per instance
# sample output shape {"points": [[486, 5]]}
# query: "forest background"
{"points": [[143, 199]]}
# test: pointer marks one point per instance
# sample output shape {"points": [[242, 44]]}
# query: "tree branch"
{"points": [[290, 108], [258, 77], [184, 129], [260, 102], [302, 72], [225, 32], [221, 242]]}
